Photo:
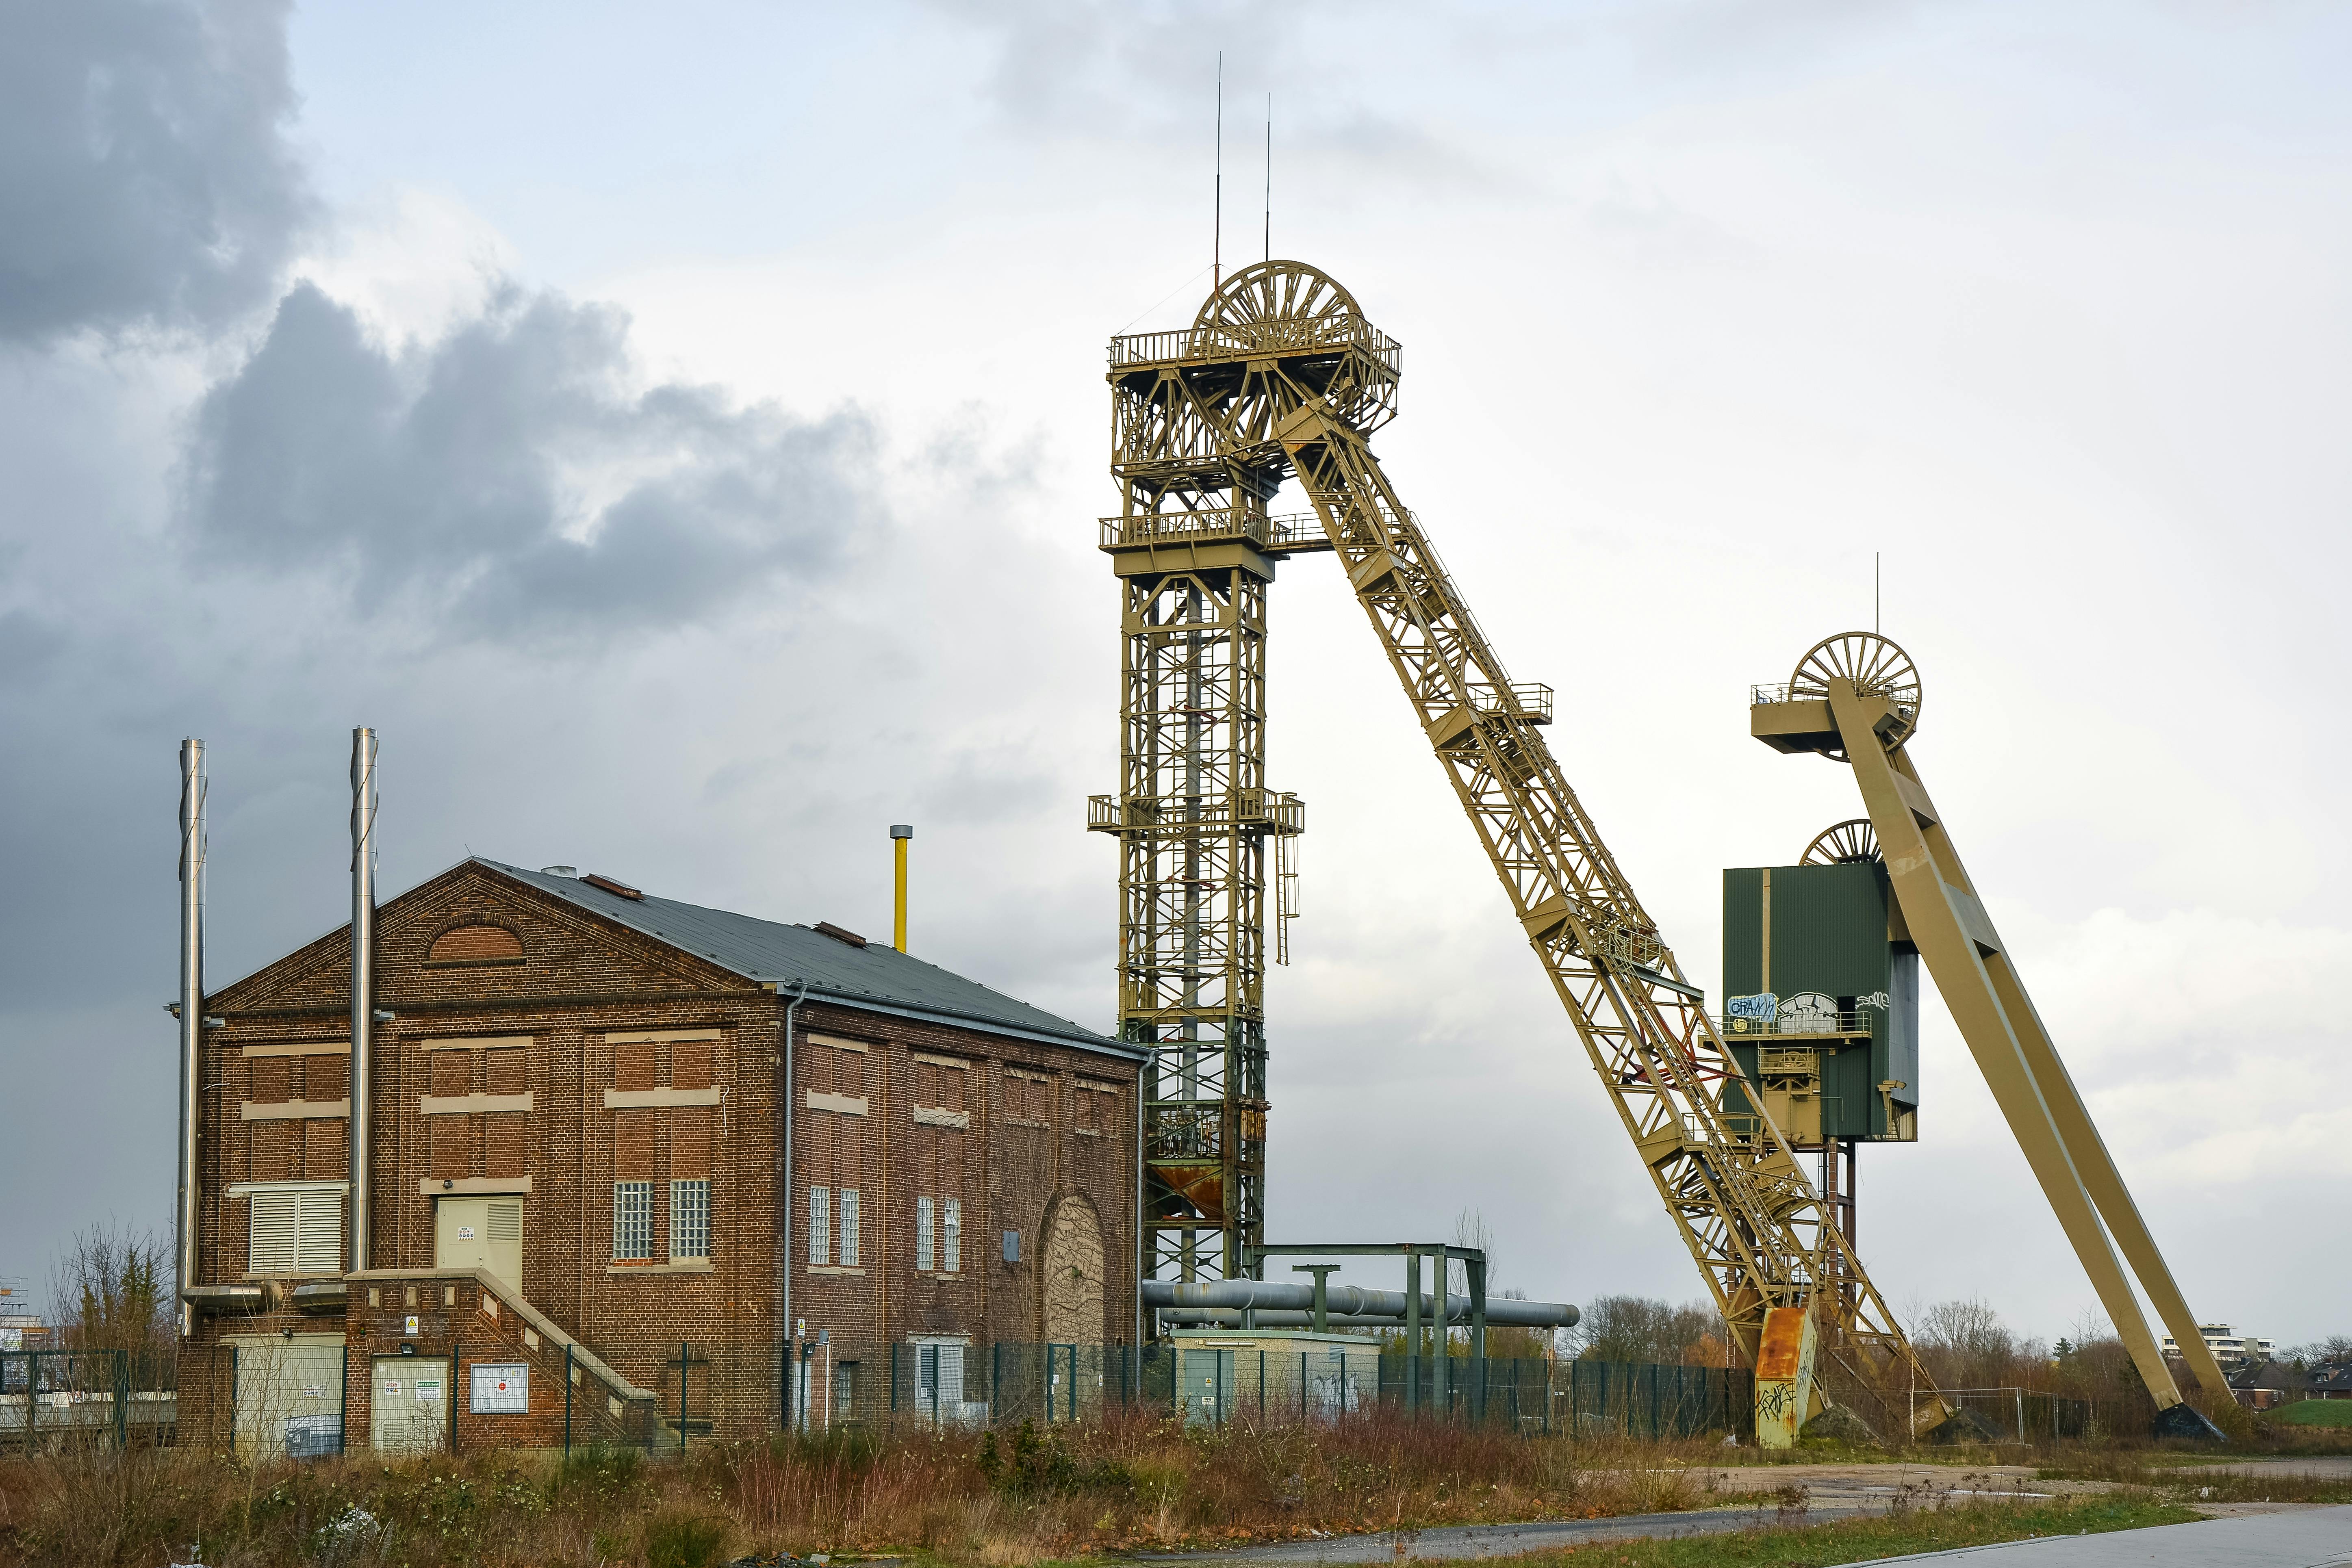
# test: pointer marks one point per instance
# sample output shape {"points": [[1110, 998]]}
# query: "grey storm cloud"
{"points": [[144, 173], [506, 481]]}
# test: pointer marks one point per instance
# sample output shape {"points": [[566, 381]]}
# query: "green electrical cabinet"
{"points": [[1822, 1002]]}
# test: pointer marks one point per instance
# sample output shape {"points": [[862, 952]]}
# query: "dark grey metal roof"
{"points": [[877, 977]]}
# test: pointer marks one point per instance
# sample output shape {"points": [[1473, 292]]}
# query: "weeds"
{"points": [[675, 1539]]}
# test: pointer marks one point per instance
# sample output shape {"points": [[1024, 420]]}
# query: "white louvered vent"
{"points": [[270, 1240], [296, 1230], [319, 1250]]}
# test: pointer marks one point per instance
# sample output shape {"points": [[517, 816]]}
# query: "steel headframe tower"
{"points": [[1855, 697], [1281, 374], [1195, 549]]}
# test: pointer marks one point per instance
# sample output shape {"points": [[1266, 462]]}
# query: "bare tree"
{"points": [[1471, 1229], [1644, 1329], [110, 1290], [1966, 1345]]}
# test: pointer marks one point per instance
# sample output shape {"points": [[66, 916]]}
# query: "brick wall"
{"points": [[501, 992]]}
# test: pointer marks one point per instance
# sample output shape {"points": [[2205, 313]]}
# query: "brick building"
{"points": [[580, 1123]]}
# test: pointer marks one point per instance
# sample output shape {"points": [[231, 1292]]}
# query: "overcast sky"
{"points": [[679, 431]]}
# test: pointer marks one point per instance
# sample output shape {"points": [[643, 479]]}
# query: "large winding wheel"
{"points": [[1875, 667], [1277, 306]]}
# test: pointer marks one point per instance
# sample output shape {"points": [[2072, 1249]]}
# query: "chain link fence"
{"points": [[954, 1385]]}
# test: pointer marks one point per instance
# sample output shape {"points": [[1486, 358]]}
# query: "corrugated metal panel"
{"points": [[791, 956], [1829, 930]]}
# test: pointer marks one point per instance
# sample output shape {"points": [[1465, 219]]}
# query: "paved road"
{"points": [[1457, 1542], [2301, 1538]]}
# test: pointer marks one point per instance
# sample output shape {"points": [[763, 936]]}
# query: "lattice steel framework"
{"points": [[1195, 551], [1280, 372]]}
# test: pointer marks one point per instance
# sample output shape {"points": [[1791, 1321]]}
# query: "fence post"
{"points": [[681, 1399], [32, 1401], [454, 1356], [2021, 1413], [122, 1401], [567, 1398]]}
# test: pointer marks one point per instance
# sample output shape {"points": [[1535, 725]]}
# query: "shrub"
{"points": [[683, 1540]]}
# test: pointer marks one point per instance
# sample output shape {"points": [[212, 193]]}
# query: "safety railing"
{"points": [[1276, 535], [1816, 1025], [1531, 699], [1264, 810], [1280, 335], [1765, 696]]}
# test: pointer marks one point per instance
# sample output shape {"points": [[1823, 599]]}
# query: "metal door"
{"points": [[408, 1411], [480, 1232], [290, 1394], [1204, 1379]]}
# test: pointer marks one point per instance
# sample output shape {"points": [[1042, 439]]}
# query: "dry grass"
{"points": [[1002, 1502]]}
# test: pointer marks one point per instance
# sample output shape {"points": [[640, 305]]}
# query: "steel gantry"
{"points": [[1280, 376]]}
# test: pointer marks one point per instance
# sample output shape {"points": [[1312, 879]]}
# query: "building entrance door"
{"points": [[480, 1232], [290, 1394], [408, 1404]]}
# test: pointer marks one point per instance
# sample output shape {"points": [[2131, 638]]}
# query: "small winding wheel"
{"points": [[1847, 844]]}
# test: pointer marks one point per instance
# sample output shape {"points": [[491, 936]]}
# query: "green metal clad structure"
{"points": [[1844, 982]]}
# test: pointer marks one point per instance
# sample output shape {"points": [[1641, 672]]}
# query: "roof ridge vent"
{"points": [[827, 928], [618, 889]]}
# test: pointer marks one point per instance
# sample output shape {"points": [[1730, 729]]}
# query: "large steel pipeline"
{"points": [[1287, 1318], [1356, 1305]]}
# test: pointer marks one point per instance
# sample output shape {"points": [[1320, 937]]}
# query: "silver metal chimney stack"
{"points": [[363, 804], [192, 1007]]}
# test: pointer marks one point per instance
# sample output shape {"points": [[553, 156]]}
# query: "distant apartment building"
{"points": [[2229, 1347]]}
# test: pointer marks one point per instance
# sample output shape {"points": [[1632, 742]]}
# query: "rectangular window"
{"points": [[924, 1260], [849, 1227], [296, 1230], [820, 1227], [954, 1262], [632, 1222], [689, 1221]]}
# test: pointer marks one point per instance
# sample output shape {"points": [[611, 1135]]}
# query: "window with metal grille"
{"points": [[925, 1258], [953, 1248], [632, 1222], [820, 1227], [296, 1230], [689, 1221], [849, 1227]]}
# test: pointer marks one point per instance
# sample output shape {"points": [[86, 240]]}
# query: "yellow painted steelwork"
{"points": [[1855, 697], [1281, 376]]}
